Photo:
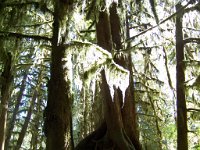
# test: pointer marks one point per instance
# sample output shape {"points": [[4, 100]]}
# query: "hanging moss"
{"points": [[89, 59]]}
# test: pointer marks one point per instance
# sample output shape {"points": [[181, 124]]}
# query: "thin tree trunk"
{"points": [[5, 95], [182, 141], [58, 110], [26, 122], [36, 124], [12, 121], [159, 133]]}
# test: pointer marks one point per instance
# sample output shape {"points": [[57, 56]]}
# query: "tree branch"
{"points": [[168, 18], [33, 25], [193, 109], [196, 7], [191, 40], [20, 35]]}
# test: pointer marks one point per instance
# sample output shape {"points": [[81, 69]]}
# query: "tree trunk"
{"points": [[116, 137], [120, 123], [36, 124], [182, 142], [26, 122], [58, 110], [5, 95], [15, 111], [128, 111]]}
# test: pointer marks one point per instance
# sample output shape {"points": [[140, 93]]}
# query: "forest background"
{"points": [[72, 69]]}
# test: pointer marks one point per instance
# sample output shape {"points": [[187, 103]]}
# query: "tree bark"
{"points": [[5, 95], [182, 142], [128, 111], [58, 110], [120, 122]]}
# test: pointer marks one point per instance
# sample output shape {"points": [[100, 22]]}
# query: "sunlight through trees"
{"points": [[99, 74]]}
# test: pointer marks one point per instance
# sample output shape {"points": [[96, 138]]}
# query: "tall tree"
{"points": [[58, 110], [182, 141]]}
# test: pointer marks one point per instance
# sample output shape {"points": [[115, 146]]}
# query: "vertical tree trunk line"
{"points": [[182, 142], [26, 122], [35, 140], [5, 95]]}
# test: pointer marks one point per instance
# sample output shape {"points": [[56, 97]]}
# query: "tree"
{"points": [[7, 78], [58, 110], [119, 110], [111, 69], [182, 117], [180, 77]]}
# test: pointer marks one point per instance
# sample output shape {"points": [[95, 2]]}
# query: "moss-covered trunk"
{"points": [[58, 110], [120, 119]]}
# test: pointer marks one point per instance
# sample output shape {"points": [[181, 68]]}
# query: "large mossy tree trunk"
{"points": [[120, 119], [182, 141], [58, 110]]}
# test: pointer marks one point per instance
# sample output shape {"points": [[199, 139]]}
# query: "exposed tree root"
{"points": [[102, 139]]}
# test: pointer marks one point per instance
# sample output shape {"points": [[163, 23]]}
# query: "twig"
{"points": [[20, 35]]}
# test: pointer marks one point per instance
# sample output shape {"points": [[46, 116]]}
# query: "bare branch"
{"points": [[193, 109], [196, 7], [33, 25], [191, 40], [87, 31], [20, 35], [167, 69]]}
